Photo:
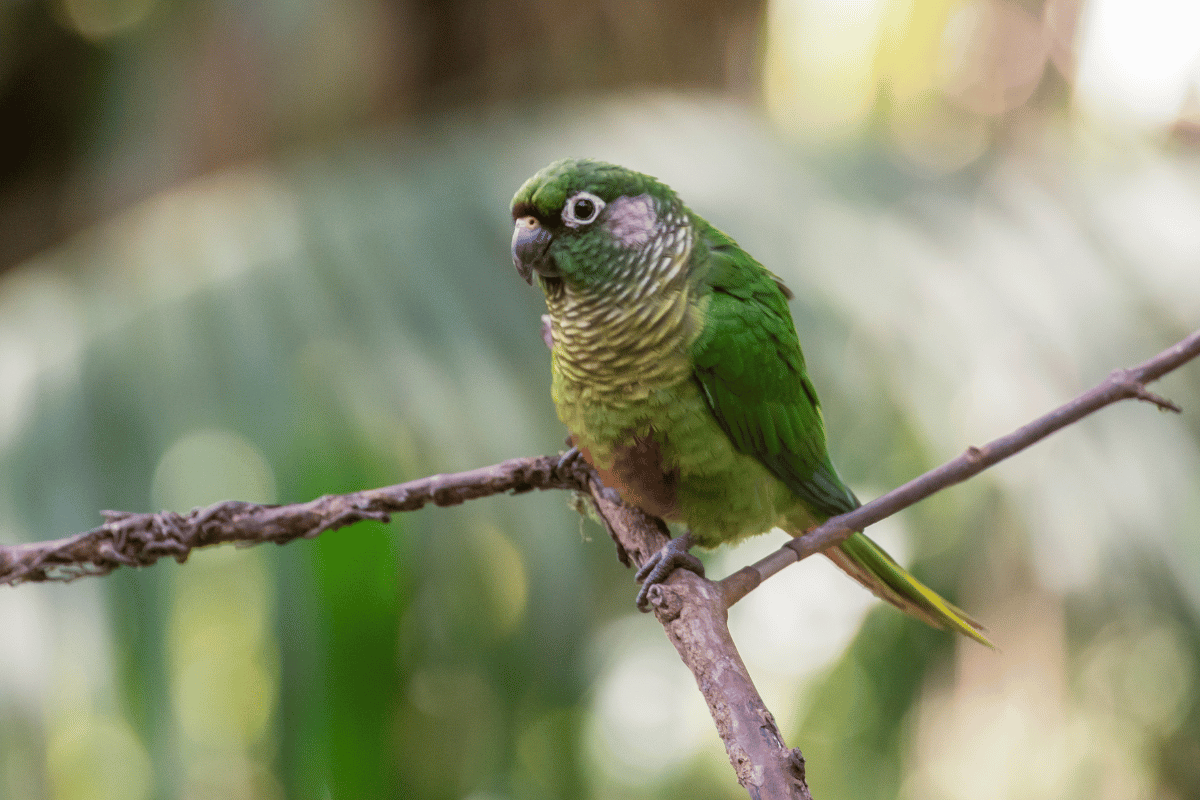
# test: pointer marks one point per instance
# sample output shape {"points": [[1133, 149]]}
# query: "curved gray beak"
{"points": [[530, 247]]}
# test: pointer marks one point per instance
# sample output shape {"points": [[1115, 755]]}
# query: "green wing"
{"points": [[749, 364], [751, 370]]}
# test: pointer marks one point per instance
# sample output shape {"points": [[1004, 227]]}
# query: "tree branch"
{"points": [[1121, 384], [692, 610], [139, 540], [695, 617]]}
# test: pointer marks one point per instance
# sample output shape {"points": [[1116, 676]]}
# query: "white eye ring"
{"points": [[581, 208]]}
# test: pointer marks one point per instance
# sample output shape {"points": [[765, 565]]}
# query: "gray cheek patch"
{"points": [[631, 220]]}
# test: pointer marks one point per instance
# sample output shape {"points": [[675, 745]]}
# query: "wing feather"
{"points": [[751, 369]]}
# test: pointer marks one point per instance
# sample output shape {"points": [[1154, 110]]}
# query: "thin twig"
{"points": [[1121, 384], [127, 539]]}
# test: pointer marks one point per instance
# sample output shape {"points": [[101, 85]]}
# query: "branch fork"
{"points": [[692, 610]]}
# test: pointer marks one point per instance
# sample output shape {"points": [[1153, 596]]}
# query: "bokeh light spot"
{"points": [[819, 76], [505, 575], [644, 694], [96, 757], [992, 56], [100, 19], [210, 465], [1138, 59]]}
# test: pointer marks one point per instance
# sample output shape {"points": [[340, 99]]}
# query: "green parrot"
{"points": [[678, 372]]}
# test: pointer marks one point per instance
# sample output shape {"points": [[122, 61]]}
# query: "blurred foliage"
{"points": [[108, 101], [300, 284]]}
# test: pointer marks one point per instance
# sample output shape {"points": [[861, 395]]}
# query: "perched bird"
{"points": [[678, 372]]}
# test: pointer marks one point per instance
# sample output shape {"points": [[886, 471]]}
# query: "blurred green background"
{"points": [[260, 250]]}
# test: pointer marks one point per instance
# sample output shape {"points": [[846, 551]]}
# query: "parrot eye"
{"points": [[581, 209]]}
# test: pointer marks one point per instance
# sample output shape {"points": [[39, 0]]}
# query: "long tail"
{"points": [[868, 564]]}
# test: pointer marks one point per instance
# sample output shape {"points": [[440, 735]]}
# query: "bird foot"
{"points": [[673, 555], [568, 458]]}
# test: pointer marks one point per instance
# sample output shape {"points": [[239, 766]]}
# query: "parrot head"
{"points": [[587, 223]]}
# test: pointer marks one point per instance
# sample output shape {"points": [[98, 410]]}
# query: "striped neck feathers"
{"points": [[636, 324]]}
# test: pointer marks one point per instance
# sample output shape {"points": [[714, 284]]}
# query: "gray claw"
{"points": [[568, 458], [658, 567]]}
